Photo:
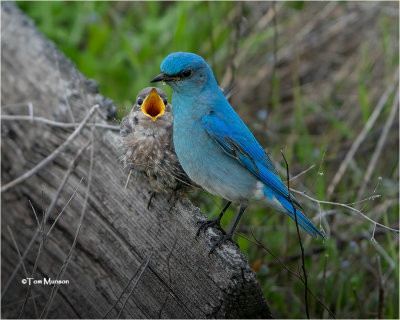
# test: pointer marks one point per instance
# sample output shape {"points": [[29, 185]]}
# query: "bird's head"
{"points": [[151, 102], [185, 72]]}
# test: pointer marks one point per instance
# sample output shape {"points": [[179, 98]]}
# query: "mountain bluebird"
{"points": [[148, 150], [216, 149]]}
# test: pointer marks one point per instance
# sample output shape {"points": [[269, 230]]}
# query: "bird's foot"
{"points": [[219, 240], [205, 224], [152, 195]]}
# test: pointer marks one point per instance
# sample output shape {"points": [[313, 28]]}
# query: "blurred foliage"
{"points": [[305, 82], [122, 44]]}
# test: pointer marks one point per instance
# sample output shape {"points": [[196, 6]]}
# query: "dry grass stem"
{"points": [[380, 145], [299, 237], [136, 282], [55, 288], [123, 291], [362, 135], [71, 167], [23, 265], [303, 172], [259, 244], [344, 206], [54, 154], [56, 123]]}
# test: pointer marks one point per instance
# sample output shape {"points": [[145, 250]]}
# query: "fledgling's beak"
{"points": [[153, 106], [164, 77]]}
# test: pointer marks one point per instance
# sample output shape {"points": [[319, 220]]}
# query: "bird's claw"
{"points": [[152, 195], [205, 224], [218, 240]]}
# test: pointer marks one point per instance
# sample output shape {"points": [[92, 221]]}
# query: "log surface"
{"points": [[118, 232]]}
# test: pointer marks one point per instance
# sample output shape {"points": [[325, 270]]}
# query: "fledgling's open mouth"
{"points": [[153, 106]]}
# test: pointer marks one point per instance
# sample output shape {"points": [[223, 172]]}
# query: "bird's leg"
{"points": [[228, 237], [152, 195], [175, 196], [205, 224]]}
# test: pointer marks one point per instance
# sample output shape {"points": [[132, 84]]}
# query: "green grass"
{"points": [[121, 45]]}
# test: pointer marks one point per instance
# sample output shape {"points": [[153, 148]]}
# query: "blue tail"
{"points": [[301, 219]]}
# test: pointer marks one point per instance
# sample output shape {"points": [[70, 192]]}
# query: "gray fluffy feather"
{"points": [[148, 148]]}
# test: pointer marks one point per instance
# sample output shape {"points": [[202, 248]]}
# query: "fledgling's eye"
{"points": [[140, 101], [186, 73], [165, 101]]}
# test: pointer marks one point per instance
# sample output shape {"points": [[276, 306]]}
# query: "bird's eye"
{"points": [[186, 73], [165, 101], [139, 102]]}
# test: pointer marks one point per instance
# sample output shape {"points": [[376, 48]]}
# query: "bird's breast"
{"points": [[208, 165]]}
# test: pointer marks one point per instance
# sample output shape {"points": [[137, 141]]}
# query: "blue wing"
{"points": [[238, 142]]}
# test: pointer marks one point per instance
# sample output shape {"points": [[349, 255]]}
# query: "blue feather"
{"points": [[301, 218], [244, 147]]}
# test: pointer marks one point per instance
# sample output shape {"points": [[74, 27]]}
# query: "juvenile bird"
{"points": [[148, 149], [216, 149]]}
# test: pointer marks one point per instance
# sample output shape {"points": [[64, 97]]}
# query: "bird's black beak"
{"points": [[164, 77]]}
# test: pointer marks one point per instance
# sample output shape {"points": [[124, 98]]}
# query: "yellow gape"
{"points": [[153, 106]]}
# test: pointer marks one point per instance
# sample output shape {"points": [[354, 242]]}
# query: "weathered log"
{"points": [[118, 234]]}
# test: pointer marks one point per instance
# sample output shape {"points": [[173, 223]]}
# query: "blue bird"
{"points": [[216, 149]]}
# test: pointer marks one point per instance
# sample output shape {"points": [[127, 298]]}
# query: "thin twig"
{"points": [[362, 135], [380, 145], [37, 218], [19, 301], [344, 206], [57, 123], [54, 154], [303, 172], [258, 243], [63, 209], [359, 305], [381, 288], [169, 276], [55, 288], [41, 231], [127, 179], [123, 291], [323, 285], [298, 234], [388, 259], [23, 265], [71, 167], [134, 286]]}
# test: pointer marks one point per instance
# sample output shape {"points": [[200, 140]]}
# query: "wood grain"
{"points": [[118, 232]]}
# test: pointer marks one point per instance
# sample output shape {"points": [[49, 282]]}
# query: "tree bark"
{"points": [[119, 235]]}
